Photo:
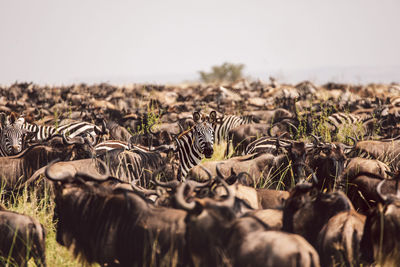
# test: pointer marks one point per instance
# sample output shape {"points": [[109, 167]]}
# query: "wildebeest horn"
{"points": [[354, 140], [379, 191], [180, 200], [207, 171], [219, 174], [96, 176], [316, 138], [230, 198], [291, 124], [90, 143], [59, 175], [150, 126], [170, 184], [76, 140], [143, 191], [23, 152]]}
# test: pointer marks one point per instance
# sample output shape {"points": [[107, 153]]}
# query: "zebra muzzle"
{"points": [[208, 152]]}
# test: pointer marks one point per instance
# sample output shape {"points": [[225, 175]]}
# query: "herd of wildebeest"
{"points": [[307, 175]]}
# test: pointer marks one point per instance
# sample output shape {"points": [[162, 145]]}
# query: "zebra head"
{"points": [[203, 133], [13, 136]]}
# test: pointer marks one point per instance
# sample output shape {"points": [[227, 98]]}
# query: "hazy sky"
{"points": [[159, 41]]}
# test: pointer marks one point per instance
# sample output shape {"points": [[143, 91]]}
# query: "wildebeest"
{"points": [[326, 220], [380, 243], [273, 171], [216, 237], [15, 170], [21, 238], [114, 226]]}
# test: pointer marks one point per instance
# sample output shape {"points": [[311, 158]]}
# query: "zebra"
{"points": [[271, 145], [13, 137], [72, 129], [225, 124], [192, 144], [367, 124]]}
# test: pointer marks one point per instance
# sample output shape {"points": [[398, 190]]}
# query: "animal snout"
{"points": [[15, 148], [208, 151]]}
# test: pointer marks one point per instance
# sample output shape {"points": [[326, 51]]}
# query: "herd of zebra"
{"points": [[300, 165]]}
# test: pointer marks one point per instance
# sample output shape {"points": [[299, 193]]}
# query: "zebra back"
{"points": [[222, 128], [266, 145], [72, 129]]}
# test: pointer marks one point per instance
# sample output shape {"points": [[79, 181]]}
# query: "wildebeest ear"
{"points": [[196, 116], [213, 116]]}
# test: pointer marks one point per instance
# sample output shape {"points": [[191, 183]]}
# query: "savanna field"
{"points": [[249, 173]]}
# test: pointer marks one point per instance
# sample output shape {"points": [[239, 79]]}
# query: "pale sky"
{"points": [[61, 42]]}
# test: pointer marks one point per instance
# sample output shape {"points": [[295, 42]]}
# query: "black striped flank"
{"points": [[229, 122], [189, 156]]}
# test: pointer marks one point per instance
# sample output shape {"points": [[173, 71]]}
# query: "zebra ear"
{"points": [[13, 117], [213, 116], [196, 116]]}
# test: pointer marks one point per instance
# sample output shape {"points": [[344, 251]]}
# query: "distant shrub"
{"points": [[227, 72]]}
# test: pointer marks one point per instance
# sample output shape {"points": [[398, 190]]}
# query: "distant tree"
{"points": [[227, 72]]}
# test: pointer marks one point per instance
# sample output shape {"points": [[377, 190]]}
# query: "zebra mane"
{"points": [[184, 132]]}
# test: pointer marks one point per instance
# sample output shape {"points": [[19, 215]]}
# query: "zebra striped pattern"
{"points": [[73, 129], [338, 120], [192, 145], [265, 145], [110, 145], [222, 129], [269, 145]]}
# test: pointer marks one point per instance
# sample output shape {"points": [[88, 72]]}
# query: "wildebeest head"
{"points": [[207, 221], [297, 154], [307, 210], [203, 133], [328, 162], [382, 225]]}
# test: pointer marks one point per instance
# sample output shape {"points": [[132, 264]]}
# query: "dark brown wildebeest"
{"points": [[324, 220], [380, 243], [15, 170], [114, 227], [216, 237], [21, 238]]}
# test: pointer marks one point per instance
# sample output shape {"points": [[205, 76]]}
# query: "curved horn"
{"points": [[207, 171], [316, 138], [76, 140], [144, 191], [379, 190], [354, 140], [23, 152], [180, 200], [59, 174], [96, 176], [219, 174], [150, 126], [291, 124], [230, 197], [170, 184], [92, 143]]}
